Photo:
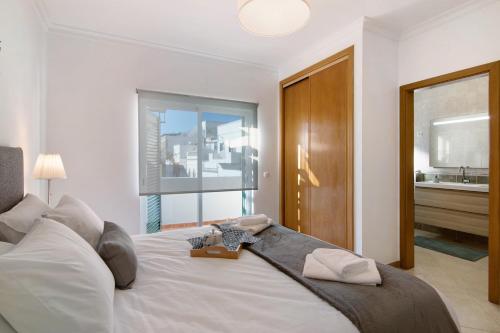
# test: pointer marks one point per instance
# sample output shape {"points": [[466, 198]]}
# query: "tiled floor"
{"points": [[465, 284]]}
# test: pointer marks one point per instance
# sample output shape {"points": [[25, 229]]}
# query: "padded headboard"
{"points": [[11, 177]]}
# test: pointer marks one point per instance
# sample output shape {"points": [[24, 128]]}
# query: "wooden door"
{"points": [[329, 173], [317, 150], [406, 171], [296, 145]]}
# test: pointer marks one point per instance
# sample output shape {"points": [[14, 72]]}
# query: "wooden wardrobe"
{"points": [[317, 150]]}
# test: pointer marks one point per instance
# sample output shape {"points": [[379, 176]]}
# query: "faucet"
{"points": [[465, 179]]}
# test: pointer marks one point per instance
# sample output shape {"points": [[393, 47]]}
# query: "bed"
{"points": [[174, 292]]}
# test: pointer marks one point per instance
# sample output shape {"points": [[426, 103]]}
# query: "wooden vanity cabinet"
{"points": [[465, 211]]}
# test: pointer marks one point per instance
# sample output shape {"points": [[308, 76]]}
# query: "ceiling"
{"points": [[211, 27]]}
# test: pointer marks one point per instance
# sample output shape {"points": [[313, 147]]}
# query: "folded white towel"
{"points": [[252, 220], [315, 270], [341, 262], [256, 228]]}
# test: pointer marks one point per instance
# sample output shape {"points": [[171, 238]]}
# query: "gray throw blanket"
{"points": [[403, 303]]}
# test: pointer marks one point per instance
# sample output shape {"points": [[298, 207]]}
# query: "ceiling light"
{"points": [[273, 18]]}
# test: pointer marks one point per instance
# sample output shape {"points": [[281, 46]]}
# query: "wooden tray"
{"points": [[216, 251]]}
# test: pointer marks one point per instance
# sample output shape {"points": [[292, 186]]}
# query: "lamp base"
{"points": [[48, 192]]}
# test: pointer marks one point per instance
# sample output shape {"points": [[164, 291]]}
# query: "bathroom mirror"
{"points": [[460, 141]]}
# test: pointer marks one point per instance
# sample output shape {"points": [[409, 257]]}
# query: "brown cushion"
{"points": [[117, 250]]}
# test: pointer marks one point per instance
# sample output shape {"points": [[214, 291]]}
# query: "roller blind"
{"points": [[191, 144]]}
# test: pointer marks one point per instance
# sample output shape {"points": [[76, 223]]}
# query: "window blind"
{"points": [[191, 144]]}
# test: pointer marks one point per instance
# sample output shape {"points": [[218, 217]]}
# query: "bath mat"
{"points": [[451, 248]]}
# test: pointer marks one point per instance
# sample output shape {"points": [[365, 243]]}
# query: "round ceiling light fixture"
{"points": [[273, 18]]}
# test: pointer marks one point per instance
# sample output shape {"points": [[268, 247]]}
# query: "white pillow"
{"points": [[16, 222], [5, 247], [5, 326], [54, 282], [79, 217]]}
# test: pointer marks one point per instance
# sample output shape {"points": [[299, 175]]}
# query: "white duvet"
{"points": [[176, 293]]}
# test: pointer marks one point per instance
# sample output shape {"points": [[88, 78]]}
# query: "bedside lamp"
{"points": [[49, 166]]}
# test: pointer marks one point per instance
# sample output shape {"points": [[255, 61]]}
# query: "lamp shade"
{"points": [[273, 18], [49, 166]]}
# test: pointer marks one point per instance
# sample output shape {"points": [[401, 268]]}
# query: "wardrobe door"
{"points": [[329, 154], [296, 139]]}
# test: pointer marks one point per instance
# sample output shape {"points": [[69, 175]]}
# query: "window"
{"points": [[199, 155]]}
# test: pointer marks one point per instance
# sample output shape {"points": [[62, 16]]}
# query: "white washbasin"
{"points": [[454, 186]]}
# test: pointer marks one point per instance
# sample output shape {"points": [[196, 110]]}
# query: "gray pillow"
{"points": [[117, 250], [17, 221]]}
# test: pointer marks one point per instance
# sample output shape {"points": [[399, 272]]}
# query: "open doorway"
{"points": [[451, 165], [449, 170]]}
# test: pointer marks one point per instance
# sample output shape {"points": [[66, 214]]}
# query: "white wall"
{"points": [[467, 38], [22, 71], [92, 112], [380, 161], [92, 115]]}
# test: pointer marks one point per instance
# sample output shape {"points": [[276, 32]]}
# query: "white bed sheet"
{"points": [[176, 293]]}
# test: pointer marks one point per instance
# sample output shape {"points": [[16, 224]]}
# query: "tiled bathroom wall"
{"points": [[459, 98]]}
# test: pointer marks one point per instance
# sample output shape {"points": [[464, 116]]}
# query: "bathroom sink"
{"points": [[454, 186]]}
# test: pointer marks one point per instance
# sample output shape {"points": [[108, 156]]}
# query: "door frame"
{"points": [[344, 55], [406, 172]]}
